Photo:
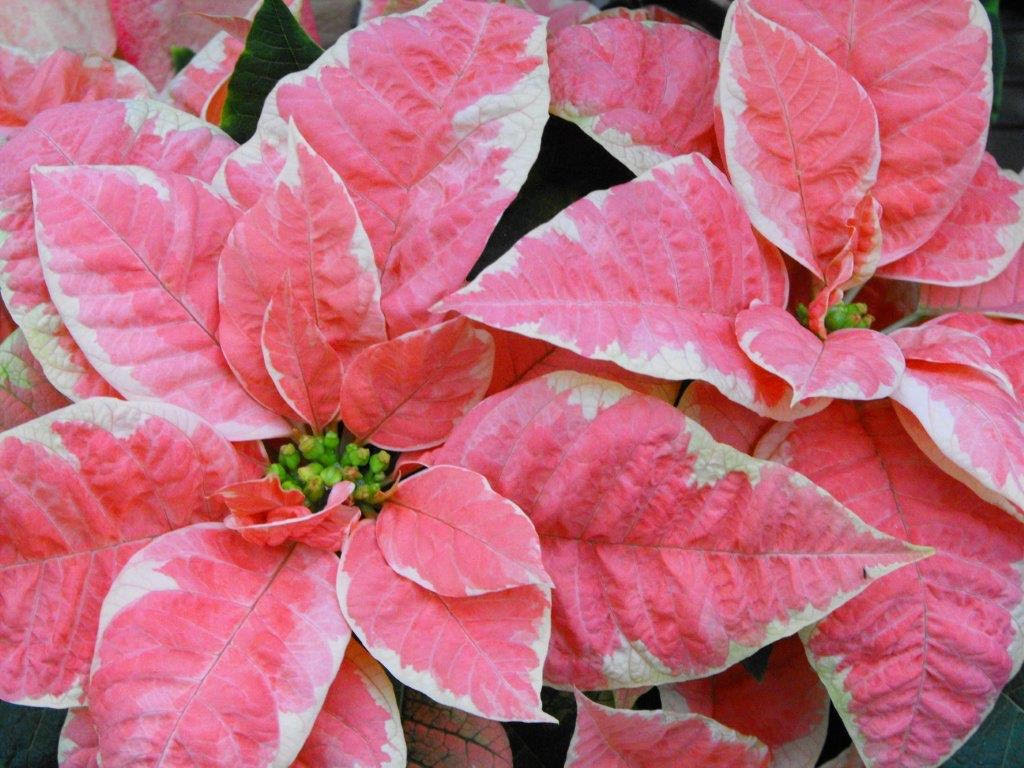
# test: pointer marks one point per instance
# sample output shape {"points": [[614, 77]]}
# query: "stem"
{"points": [[903, 322], [851, 294]]}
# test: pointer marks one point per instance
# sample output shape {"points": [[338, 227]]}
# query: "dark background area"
{"points": [[1006, 138]]}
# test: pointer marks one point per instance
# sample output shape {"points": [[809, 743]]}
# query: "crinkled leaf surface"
{"points": [[616, 738], [799, 136], [79, 744], [976, 424], [443, 737], [300, 360], [927, 68], [446, 530], [40, 26], [643, 90], [303, 229], [978, 238], [432, 120], [787, 708], [24, 391], [726, 421], [480, 654], [28, 735], [1004, 340], [30, 83], [996, 743], [240, 674], [276, 46], [408, 393], [851, 364], [560, 13], [108, 132], [360, 724], [130, 260], [83, 489], [673, 556], [915, 662], [585, 281], [1002, 296]]}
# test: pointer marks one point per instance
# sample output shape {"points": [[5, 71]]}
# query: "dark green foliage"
{"points": [[998, 56], [180, 57], [276, 46], [999, 742], [28, 736]]}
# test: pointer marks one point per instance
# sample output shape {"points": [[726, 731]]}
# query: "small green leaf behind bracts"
{"points": [[276, 46], [28, 735]]}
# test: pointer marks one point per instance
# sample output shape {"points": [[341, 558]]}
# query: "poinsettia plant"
{"points": [[211, 550]]}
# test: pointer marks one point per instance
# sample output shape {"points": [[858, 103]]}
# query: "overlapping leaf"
{"points": [[30, 83], [615, 738], [926, 68], [105, 132], [131, 254], [443, 737], [24, 391], [303, 229], [725, 420], [586, 281], [432, 120], [852, 363], [799, 136], [446, 530], [995, 742], [787, 708], [1002, 296], [1004, 340], [644, 91], [479, 654], [673, 556], [241, 673], [79, 744], [915, 662], [83, 489], [360, 723], [979, 237], [408, 393], [195, 86], [976, 424]]}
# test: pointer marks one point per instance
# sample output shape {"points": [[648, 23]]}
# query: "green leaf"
{"points": [[276, 46], [757, 664], [997, 743], [180, 57], [28, 736]]}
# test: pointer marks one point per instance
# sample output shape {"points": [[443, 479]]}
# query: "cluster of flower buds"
{"points": [[315, 464], [841, 316]]}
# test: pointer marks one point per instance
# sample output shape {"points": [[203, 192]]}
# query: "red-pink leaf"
{"points": [[408, 393], [300, 360], [84, 488], [917, 660], [585, 282], [799, 136], [360, 724], [303, 228], [787, 709], [30, 83], [443, 737], [481, 654], [978, 238], [446, 530], [673, 556], [520, 358], [616, 738], [976, 424], [644, 91], [7, 324], [192, 88], [727, 421], [40, 26], [932, 113], [1004, 339], [79, 744], [238, 676], [1002, 296], [432, 120], [848, 758], [106, 132], [130, 258], [251, 497], [852, 364], [24, 391], [560, 13]]}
